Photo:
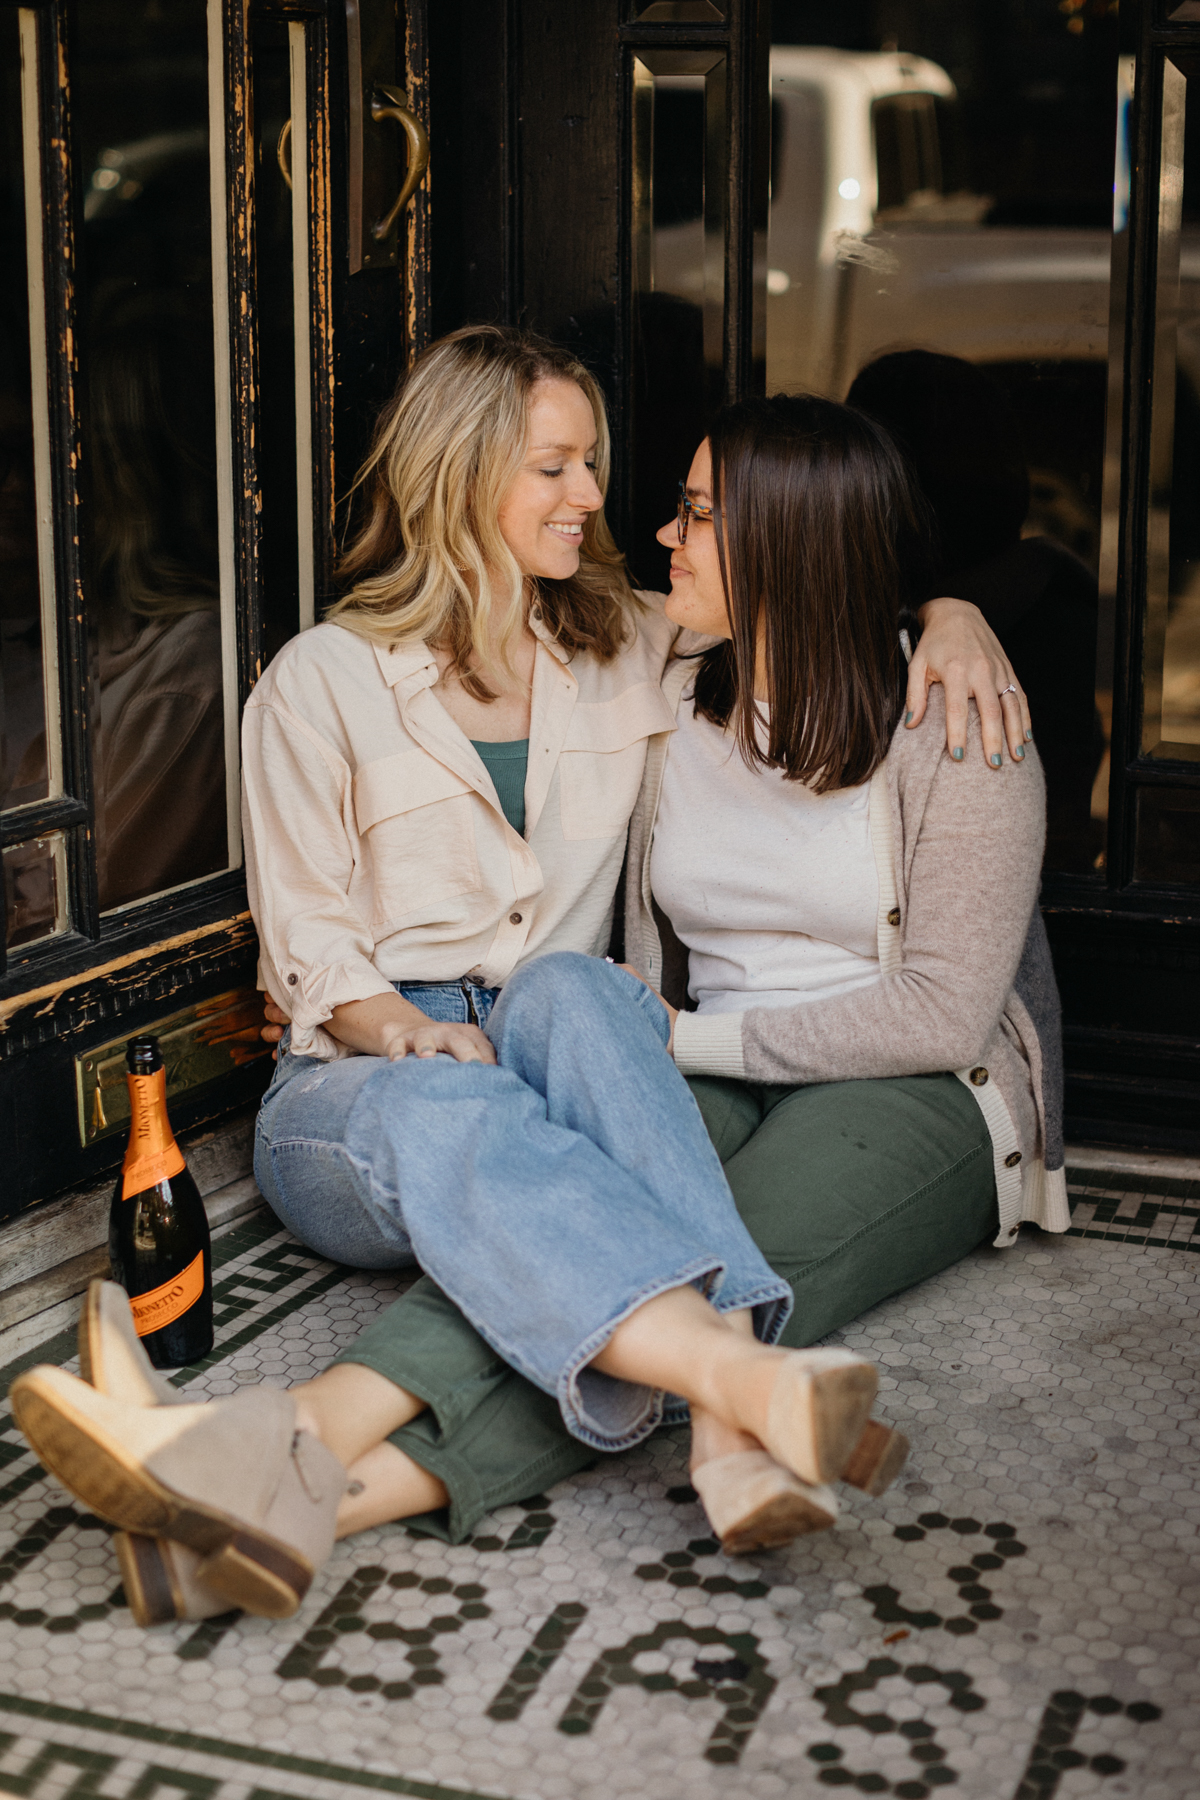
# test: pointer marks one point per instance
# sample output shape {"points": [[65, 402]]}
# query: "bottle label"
{"points": [[163, 1305], [152, 1154]]}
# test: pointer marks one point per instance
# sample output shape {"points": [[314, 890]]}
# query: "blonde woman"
{"points": [[551, 1172]]}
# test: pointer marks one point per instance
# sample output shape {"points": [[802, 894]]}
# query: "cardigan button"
{"points": [[292, 980], [1012, 1159], [894, 916], [1013, 1230], [978, 1077], [514, 918]]}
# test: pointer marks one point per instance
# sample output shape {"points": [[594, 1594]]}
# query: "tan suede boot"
{"points": [[232, 1480], [160, 1578]]}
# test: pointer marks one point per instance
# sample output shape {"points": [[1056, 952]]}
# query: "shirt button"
{"points": [[894, 916], [514, 918], [1011, 1161], [292, 980], [978, 1077]]}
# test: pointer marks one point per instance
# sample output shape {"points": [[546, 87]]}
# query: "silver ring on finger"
{"points": [[1010, 689]]}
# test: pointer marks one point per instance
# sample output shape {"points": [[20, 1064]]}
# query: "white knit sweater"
{"points": [[967, 983]]}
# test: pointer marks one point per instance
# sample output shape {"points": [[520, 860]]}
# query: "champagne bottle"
{"points": [[158, 1241]]}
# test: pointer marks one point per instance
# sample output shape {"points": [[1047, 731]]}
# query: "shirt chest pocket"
{"points": [[415, 820], [601, 763]]}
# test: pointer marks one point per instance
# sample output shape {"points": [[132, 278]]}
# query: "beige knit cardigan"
{"points": [[967, 980]]}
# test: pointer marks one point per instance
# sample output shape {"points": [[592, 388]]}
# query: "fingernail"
{"points": [[957, 753], [995, 761], [1019, 753], [908, 718], [1029, 737]]}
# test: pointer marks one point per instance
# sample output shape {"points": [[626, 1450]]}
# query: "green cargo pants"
{"points": [[853, 1191]]}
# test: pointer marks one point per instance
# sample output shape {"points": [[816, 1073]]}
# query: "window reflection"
{"points": [[279, 568], [146, 303], [679, 282], [1171, 720], [34, 890], [940, 243], [24, 774]]}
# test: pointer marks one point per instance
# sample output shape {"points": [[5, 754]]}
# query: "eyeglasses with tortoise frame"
{"points": [[689, 508]]}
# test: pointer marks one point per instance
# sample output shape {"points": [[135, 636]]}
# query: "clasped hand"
{"points": [[373, 1027]]}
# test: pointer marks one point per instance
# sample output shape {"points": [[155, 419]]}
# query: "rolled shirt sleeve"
{"points": [[316, 947]]}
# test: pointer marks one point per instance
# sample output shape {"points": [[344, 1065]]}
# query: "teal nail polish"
{"points": [[908, 718], [995, 761], [957, 753], [1019, 753], [1029, 737]]}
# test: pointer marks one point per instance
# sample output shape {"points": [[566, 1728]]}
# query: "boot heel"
{"points": [[820, 1403], [146, 1579], [877, 1458], [260, 1577]]}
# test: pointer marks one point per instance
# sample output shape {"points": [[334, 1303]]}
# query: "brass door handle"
{"points": [[389, 103]]}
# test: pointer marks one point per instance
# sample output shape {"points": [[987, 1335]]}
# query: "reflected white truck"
{"points": [[867, 251]]}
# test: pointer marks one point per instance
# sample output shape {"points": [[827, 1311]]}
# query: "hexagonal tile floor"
{"points": [[1017, 1618]]}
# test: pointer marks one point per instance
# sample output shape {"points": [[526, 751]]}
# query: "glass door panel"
{"points": [[939, 253], [30, 759], [679, 282], [1171, 667], [278, 168], [161, 657], [35, 890]]}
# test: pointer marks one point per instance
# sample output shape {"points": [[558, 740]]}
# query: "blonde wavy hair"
{"points": [[429, 562]]}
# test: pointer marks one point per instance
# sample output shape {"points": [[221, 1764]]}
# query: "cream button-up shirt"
{"points": [[376, 848]]}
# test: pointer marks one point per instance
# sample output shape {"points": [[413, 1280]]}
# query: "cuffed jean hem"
{"points": [[593, 1404]]}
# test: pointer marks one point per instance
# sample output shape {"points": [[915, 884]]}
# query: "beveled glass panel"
{"points": [[29, 747], [939, 253], [1171, 666], [679, 282], [278, 156], [140, 100], [35, 890]]}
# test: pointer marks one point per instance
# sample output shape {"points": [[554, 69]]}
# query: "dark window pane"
{"points": [[1171, 714], [24, 769], [679, 283], [279, 566], [34, 890], [1168, 835], [940, 252], [140, 98]]}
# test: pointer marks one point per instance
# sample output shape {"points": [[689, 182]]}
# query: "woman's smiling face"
{"points": [[543, 513], [697, 597]]}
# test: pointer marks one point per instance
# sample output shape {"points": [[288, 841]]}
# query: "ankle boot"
{"points": [[753, 1504], [160, 1578], [233, 1480]]}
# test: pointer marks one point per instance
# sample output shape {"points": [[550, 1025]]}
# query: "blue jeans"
{"points": [[548, 1197]]}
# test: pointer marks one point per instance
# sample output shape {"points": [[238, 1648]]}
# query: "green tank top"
{"points": [[506, 764]]}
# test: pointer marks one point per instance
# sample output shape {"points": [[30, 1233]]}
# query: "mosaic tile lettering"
{"points": [[1015, 1620]]}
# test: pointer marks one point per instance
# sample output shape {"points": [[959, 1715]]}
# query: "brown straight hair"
{"points": [[823, 533]]}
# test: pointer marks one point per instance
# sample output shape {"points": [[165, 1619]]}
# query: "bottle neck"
{"points": [[152, 1155]]}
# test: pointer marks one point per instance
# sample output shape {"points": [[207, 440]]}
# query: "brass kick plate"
{"points": [[199, 1045]]}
